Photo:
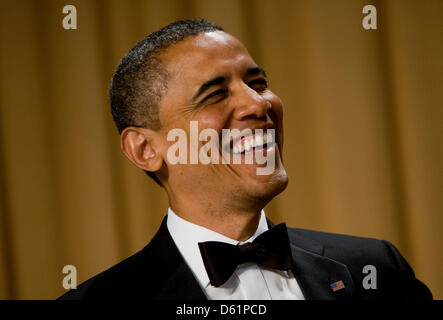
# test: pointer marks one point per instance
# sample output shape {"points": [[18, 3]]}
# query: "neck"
{"points": [[234, 223]]}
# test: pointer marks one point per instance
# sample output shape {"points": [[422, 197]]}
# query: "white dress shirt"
{"points": [[248, 282]]}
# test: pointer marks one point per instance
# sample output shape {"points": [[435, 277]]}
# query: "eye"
{"points": [[258, 84], [215, 96]]}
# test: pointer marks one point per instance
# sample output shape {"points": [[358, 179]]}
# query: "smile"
{"points": [[251, 142], [244, 146]]}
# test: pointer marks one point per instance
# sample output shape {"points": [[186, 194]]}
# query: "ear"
{"points": [[138, 144]]}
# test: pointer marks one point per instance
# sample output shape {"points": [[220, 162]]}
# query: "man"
{"points": [[215, 242]]}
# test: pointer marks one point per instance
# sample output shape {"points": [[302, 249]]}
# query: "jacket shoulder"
{"points": [[364, 256], [347, 249], [334, 241], [116, 280]]}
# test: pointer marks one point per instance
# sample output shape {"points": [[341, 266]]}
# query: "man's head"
{"points": [[192, 71], [141, 79]]}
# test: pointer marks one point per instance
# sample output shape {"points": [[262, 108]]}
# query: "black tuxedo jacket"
{"points": [[158, 271]]}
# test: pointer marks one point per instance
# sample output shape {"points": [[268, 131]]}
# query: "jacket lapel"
{"points": [[314, 272], [181, 285], [179, 282]]}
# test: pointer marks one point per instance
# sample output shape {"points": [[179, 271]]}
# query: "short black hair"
{"points": [[141, 80]]}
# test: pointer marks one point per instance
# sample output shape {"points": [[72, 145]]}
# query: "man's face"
{"points": [[214, 80]]}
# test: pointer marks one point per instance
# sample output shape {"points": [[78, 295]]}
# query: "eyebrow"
{"points": [[208, 84], [252, 71]]}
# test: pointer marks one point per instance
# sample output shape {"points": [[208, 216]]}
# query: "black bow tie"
{"points": [[270, 249]]}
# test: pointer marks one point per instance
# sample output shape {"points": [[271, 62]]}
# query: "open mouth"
{"points": [[252, 142]]}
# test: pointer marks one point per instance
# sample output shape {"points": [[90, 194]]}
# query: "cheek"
{"points": [[214, 118], [277, 105], [276, 112]]}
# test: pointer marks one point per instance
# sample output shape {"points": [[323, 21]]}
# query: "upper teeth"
{"points": [[257, 140]]}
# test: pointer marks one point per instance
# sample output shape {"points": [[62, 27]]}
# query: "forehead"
{"points": [[197, 57]]}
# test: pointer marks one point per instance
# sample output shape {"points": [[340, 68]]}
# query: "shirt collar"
{"points": [[187, 235]]}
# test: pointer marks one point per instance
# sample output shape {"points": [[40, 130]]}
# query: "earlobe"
{"points": [[138, 145]]}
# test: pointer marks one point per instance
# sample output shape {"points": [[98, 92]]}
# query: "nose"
{"points": [[250, 104]]}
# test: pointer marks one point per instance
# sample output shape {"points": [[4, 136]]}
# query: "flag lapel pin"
{"points": [[338, 285]]}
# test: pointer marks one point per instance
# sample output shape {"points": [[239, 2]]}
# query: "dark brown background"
{"points": [[363, 120]]}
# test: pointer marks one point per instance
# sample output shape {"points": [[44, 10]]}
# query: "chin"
{"points": [[262, 188], [265, 188]]}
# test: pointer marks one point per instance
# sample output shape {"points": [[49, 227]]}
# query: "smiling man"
{"points": [[192, 84]]}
